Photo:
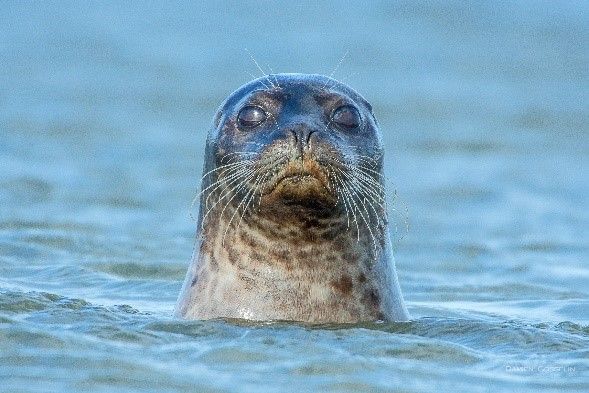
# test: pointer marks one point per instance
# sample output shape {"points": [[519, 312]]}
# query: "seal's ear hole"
{"points": [[217, 119], [346, 116]]}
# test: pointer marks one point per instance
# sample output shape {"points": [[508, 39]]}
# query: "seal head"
{"points": [[292, 221]]}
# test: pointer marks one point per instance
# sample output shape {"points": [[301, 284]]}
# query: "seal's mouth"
{"points": [[305, 185], [303, 182], [301, 179]]}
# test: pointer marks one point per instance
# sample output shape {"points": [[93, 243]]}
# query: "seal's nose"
{"points": [[301, 137]]}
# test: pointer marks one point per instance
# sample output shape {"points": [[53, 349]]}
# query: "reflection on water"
{"points": [[103, 114]]}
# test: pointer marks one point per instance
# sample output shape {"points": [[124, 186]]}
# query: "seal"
{"points": [[292, 222]]}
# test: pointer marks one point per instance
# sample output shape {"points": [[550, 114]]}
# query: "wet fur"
{"points": [[307, 248]]}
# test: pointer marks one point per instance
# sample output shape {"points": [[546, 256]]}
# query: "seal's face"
{"points": [[297, 143]]}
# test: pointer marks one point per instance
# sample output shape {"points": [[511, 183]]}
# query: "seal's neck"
{"points": [[294, 239], [310, 268], [268, 267]]}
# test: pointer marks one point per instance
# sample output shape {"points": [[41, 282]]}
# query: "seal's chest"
{"points": [[255, 279]]}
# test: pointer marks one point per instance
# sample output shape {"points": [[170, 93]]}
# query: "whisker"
{"points": [[405, 216], [239, 153], [236, 167], [255, 77], [227, 181], [367, 161], [347, 200], [341, 198], [353, 195], [376, 193], [362, 191], [260, 68], [246, 197], [274, 76], [353, 209], [241, 181], [224, 173], [275, 121], [224, 166], [375, 189], [370, 170], [336, 67], [255, 188]]}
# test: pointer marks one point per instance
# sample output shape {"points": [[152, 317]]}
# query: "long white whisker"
{"points": [[224, 194], [376, 190], [229, 167], [225, 166], [370, 170], [362, 201], [255, 188], [357, 186], [240, 154], [260, 68], [241, 185], [227, 181], [336, 67], [345, 78], [274, 76], [351, 176], [353, 208], [347, 205], [241, 203], [362, 216], [255, 77]]}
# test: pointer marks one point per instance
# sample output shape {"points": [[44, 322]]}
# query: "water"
{"points": [[103, 113]]}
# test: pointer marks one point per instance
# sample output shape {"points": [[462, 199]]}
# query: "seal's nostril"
{"points": [[294, 134], [309, 137]]}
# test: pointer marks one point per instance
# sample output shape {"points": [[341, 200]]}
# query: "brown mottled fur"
{"points": [[311, 282]]}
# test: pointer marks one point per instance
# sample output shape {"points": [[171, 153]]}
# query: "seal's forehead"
{"points": [[281, 85]]}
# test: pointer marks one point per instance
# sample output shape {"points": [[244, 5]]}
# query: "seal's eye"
{"points": [[251, 116], [346, 116]]}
